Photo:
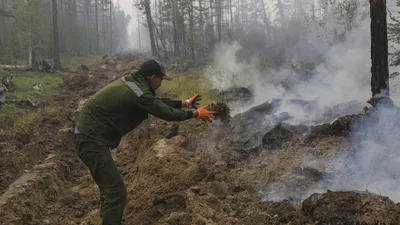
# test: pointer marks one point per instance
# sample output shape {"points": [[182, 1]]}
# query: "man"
{"points": [[114, 111]]}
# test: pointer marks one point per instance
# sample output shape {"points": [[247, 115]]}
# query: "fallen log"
{"points": [[15, 67], [21, 102]]}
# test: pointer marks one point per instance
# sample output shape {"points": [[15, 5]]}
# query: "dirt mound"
{"points": [[282, 135], [233, 94], [351, 208], [39, 194], [20, 152], [37, 164], [170, 185], [79, 81], [170, 173], [127, 57], [342, 126], [319, 114], [5, 123], [266, 108], [190, 179], [80, 69], [273, 213]]}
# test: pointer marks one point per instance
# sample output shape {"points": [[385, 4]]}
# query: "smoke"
{"points": [[342, 75], [225, 71], [373, 164]]}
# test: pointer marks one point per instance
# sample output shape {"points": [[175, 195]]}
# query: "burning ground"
{"points": [[256, 167]]}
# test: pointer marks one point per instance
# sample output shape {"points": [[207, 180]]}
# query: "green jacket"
{"points": [[122, 105]]}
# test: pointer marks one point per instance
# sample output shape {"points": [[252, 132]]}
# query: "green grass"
{"points": [[265, 64], [67, 61], [25, 119], [185, 86], [25, 81]]}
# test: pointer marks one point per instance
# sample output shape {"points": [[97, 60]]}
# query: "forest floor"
{"points": [[188, 172]]}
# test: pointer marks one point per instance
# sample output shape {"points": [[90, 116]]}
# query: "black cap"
{"points": [[152, 67]]}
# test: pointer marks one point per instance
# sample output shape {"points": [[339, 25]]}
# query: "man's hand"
{"points": [[192, 102], [203, 114]]}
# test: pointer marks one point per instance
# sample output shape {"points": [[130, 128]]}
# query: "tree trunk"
{"points": [[56, 54], [138, 20], [150, 26], [211, 34], [379, 49], [74, 27], [231, 27], [266, 20], [32, 58], [111, 48], [87, 25], [161, 40], [313, 11], [281, 13], [191, 24], [300, 8], [219, 19], [3, 29], [201, 25], [97, 24], [174, 27], [181, 31], [103, 27]]}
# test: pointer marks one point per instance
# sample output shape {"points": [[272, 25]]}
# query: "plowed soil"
{"points": [[174, 175]]}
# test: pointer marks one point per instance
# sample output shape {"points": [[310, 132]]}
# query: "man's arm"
{"points": [[176, 104], [192, 102], [155, 106]]}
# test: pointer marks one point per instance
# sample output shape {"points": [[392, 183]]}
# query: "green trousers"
{"points": [[97, 157]]}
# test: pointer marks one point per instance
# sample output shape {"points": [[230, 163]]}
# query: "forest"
{"points": [[180, 29], [303, 96]]}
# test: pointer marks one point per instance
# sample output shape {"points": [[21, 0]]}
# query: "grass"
{"points": [[25, 81], [23, 118], [28, 118], [185, 86], [67, 61]]}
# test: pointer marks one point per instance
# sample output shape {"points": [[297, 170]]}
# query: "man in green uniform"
{"points": [[114, 111]]}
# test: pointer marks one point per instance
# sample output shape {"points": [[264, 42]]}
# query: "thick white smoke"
{"points": [[343, 76], [373, 164]]}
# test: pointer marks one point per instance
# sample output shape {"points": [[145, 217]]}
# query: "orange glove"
{"points": [[192, 102], [203, 114]]}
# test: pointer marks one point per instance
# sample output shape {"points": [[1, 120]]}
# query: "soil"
{"points": [[366, 208], [182, 173], [221, 110], [233, 94]]}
